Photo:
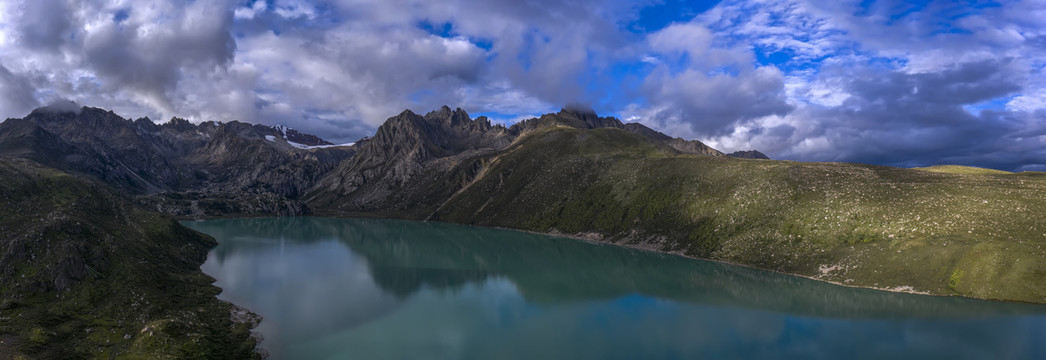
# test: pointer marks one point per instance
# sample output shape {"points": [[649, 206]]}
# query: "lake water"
{"points": [[389, 289]]}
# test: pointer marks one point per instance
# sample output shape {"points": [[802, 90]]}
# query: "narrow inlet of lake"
{"points": [[391, 289]]}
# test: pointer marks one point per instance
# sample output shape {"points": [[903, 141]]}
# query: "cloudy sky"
{"points": [[885, 82]]}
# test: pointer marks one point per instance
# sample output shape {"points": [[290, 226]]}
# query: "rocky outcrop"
{"points": [[750, 154], [406, 146], [83, 270], [414, 163], [298, 137], [235, 168], [99, 144], [692, 147], [587, 119], [568, 117], [229, 162]]}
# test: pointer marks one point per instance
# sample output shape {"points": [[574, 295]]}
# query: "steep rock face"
{"points": [[23, 138], [414, 163], [101, 144], [243, 167], [241, 157], [215, 169], [298, 137], [404, 147], [455, 132]]}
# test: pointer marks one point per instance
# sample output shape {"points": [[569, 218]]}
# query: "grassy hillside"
{"points": [[863, 225], [87, 274], [962, 170]]}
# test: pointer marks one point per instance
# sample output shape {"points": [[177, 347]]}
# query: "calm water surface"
{"points": [[389, 289]]}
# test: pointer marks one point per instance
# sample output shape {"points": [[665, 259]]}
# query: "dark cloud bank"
{"points": [[803, 80]]}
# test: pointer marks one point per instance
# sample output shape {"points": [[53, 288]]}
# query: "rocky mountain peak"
{"points": [[396, 127], [59, 107], [457, 123], [447, 115], [693, 147], [406, 143], [581, 112], [405, 114], [179, 124], [87, 126], [442, 113], [146, 125], [749, 154], [142, 157], [298, 137]]}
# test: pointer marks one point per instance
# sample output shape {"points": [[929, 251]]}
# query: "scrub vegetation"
{"points": [[953, 231], [88, 274]]}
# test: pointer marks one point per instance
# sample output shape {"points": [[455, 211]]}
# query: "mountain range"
{"points": [[235, 168], [941, 230]]}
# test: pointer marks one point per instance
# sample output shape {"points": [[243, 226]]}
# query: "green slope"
{"points": [[87, 274], [963, 170], [862, 225]]}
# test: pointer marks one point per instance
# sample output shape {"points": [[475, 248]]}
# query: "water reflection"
{"points": [[398, 289]]}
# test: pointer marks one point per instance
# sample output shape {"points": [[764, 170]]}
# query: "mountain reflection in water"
{"points": [[399, 289]]}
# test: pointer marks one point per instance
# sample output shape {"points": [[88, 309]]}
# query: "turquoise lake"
{"points": [[391, 289]]}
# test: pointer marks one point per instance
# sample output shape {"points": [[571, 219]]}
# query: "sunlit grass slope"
{"points": [[962, 170], [942, 233]]}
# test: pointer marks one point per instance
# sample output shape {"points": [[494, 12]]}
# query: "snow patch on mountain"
{"points": [[307, 147]]}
